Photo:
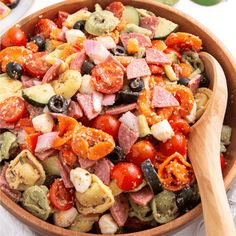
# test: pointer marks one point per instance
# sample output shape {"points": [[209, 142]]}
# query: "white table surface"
{"points": [[221, 20]]}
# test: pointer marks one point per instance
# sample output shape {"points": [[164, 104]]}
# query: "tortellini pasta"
{"points": [[25, 171], [35, 200], [97, 199]]}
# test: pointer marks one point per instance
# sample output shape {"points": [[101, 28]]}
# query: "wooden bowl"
{"points": [[211, 44]]}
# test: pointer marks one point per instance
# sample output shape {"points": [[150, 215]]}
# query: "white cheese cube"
{"points": [[73, 35], [107, 224], [87, 86], [81, 179], [43, 123], [65, 218], [162, 131]]}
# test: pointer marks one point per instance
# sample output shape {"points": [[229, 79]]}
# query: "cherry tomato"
{"points": [[12, 109], [69, 157], [185, 69], [14, 37], [23, 123], [36, 65], [127, 175], [117, 8], [44, 27], [107, 123], [178, 143], [156, 69], [173, 51], [141, 151], [179, 125], [61, 197], [222, 162], [107, 77], [62, 16]]}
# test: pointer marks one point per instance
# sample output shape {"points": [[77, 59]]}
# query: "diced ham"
{"points": [[126, 137], [137, 68], [6, 125], [86, 103], [194, 83], [74, 110], [130, 120], [65, 175], [143, 41], [33, 111], [150, 23], [103, 170], [120, 209], [46, 141], [44, 155], [162, 98], [77, 62], [154, 56], [15, 195], [142, 197], [86, 163], [121, 109], [52, 73], [96, 51], [108, 99]]}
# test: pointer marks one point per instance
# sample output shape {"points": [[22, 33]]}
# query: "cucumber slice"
{"points": [[165, 28], [38, 95], [131, 15]]}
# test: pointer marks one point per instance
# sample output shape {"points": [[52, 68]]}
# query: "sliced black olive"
{"points": [[129, 96], [57, 104], [183, 81], [39, 41], [117, 155], [13, 4], [79, 25], [136, 85], [151, 176], [119, 51], [87, 67], [204, 81], [14, 70]]}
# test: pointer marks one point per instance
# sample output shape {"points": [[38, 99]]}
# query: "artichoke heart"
{"points": [[97, 199], [35, 200], [25, 171]]}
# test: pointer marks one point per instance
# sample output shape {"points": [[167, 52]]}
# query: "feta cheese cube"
{"points": [[43, 123], [107, 224]]}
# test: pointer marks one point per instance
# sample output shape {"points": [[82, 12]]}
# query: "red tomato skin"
{"points": [[127, 175], [179, 125], [44, 27], [222, 162], [12, 109], [14, 37], [107, 123], [61, 197], [178, 143], [141, 151]]}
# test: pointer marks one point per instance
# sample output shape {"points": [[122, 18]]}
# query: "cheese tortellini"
{"points": [[25, 171]]}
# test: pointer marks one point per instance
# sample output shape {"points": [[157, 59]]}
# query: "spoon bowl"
{"points": [[204, 153]]}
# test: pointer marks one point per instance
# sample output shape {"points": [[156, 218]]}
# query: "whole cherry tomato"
{"points": [[107, 123], [141, 151], [14, 37], [127, 175], [178, 143]]}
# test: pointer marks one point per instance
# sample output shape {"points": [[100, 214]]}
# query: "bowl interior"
{"points": [[210, 43]]}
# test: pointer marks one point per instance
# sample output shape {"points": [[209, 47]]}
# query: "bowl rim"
{"points": [[47, 228]]}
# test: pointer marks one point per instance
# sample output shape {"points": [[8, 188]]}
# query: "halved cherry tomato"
{"points": [[12, 109], [14, 37], [222, 162], [91, 143], [184, 41], [178, 143], [107, 123], [175, 172], [44, 27], [108, 77], [179, 125], [173, 51], [62, 16], [127, 175], [156, 69], [185, 69], [36, 65], [61, 198], [14, 54], [69, 157], [23, 123], [141, 151]]}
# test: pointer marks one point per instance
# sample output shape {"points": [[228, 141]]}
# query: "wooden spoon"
{"points": [[204, 153]]}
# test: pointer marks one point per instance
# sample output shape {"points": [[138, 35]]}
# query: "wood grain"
{"points": [[211, 45]]}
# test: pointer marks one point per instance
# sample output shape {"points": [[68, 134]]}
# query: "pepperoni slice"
{"points": [[12, 109], [36, 65]]}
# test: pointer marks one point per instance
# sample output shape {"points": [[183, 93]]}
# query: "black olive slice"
{"points": [[117, 155], [136, 85], [58, 104]]}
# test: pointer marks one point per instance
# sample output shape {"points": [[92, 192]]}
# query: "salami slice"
{"points": [[121, 109], [142, 197], [150, 23], [77, 62], [154, 56]]}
